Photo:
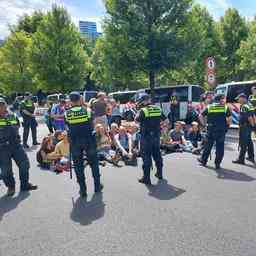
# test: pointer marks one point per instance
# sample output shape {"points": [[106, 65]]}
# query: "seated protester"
{"points": [[103, 141], [57, 137], [194, 136], [112, 133], [176, 142], [46, 148], [61, 154], [192, 116], [124, 145]]}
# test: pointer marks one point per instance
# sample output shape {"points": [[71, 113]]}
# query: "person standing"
{"points": [[99, 108], [174, 114], [82, 139], [218, 120], [57, 113], [252, 101], [10, 148], [150, 117], [27, 109], [246, 124]]}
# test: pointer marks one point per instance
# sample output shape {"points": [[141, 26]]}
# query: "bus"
{"points": [[231, 91], [123, 97], [187, 95]]}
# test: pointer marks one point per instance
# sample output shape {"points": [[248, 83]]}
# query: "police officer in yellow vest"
{"points": [[82, 138], [246, 124], [218, 120], [10, 148], [27, 109], [252, 102], [150, 117]]}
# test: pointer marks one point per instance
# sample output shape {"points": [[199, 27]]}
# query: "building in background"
{"points": [[89, 29]]}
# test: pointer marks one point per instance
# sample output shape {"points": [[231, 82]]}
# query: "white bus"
{"points": [[231, 91], [187, 95]]}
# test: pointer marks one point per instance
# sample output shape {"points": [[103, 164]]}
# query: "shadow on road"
{"points": [[86, 212], [8, 204], [164, 191], [227, 174]]}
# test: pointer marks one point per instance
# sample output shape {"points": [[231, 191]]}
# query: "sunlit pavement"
{"points": [[192, 212]]}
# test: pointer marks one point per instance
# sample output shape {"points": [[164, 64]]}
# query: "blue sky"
{"points": [[93, 10]]}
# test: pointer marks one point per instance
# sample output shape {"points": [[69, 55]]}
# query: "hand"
{"points": [[125, 153], [130, 155]]}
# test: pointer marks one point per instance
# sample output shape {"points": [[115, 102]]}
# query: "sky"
{"points": [[93, 10]]}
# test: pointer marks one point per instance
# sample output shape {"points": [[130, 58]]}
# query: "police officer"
{"points": [[252, 101], [246, 124], [149, 117], [218, 120], [27, 109], [81, 134], [10, 148]]}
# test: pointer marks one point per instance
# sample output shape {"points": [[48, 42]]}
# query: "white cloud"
{"points": [[11, 10]]}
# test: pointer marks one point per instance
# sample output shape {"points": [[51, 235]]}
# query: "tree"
{"points": [[30, 23], [147, 36], [15, 66], [57, 54], [247, 53], [233, 30]]}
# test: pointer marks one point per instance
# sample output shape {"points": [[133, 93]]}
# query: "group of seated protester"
{"points": [[182, 138], [54, 152]]}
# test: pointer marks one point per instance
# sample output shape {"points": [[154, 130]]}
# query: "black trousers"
{"points": [[246, 143], [27, 125]]}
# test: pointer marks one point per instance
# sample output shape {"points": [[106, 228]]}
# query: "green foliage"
{"points": [[146, 36], [58, 58], [15, 66]]}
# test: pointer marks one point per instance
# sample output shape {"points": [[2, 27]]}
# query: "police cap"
{"points": [[2, 101], [143, 96], [74, 96], [219, 97], [241, 95]]}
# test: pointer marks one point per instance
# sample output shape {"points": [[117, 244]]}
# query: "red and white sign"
{"points": [[211, 79], [211, 71], [211, 64]]}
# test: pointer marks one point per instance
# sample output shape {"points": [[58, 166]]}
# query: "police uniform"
{"points": [[81, 134], [252, 101], [149, 118], [245, 133], [29, 122], [217, 115], [10, 148]]}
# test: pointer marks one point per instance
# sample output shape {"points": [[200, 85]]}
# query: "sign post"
{"points": [[211, 71]]}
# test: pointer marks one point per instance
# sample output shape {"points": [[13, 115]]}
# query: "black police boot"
{"points": [[159, 175], [83, 192], [36, 143], [145, 181], [26, 146], [238, 161], [28, 187], [202, 163], [250, 160], [98, 188], [10, 191], [217, 167]]}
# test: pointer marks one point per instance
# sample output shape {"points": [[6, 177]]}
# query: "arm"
{"points": [[119, 145], [130, 144]]}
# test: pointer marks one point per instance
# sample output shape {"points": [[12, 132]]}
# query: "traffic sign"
{"points": [[211, 64], [211, 78]]}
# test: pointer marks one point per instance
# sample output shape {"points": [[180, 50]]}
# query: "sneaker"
{"points": [[238, 162], [98, 188], [29, 187], [144, 181], [10, 192]]}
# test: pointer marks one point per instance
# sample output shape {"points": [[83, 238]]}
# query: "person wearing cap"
{"points": [[82, 139], [174, 114], [218, 120], [27, 109], [246, 124], [10, 148], [150, 116]]}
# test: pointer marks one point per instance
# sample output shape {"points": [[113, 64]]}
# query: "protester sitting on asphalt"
{"points": [[105, 152], [57, 114], [194, 136], [123, 141], [46, 148], [57, 137], [112, 133]]}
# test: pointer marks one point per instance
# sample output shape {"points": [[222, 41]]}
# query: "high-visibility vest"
{"points": [[78, 115], [152, 111]]}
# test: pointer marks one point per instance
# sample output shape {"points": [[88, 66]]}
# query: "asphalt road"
{"points": [[191, 213]]}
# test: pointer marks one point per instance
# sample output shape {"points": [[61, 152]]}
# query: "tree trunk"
{"points": [[152, 83]]}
